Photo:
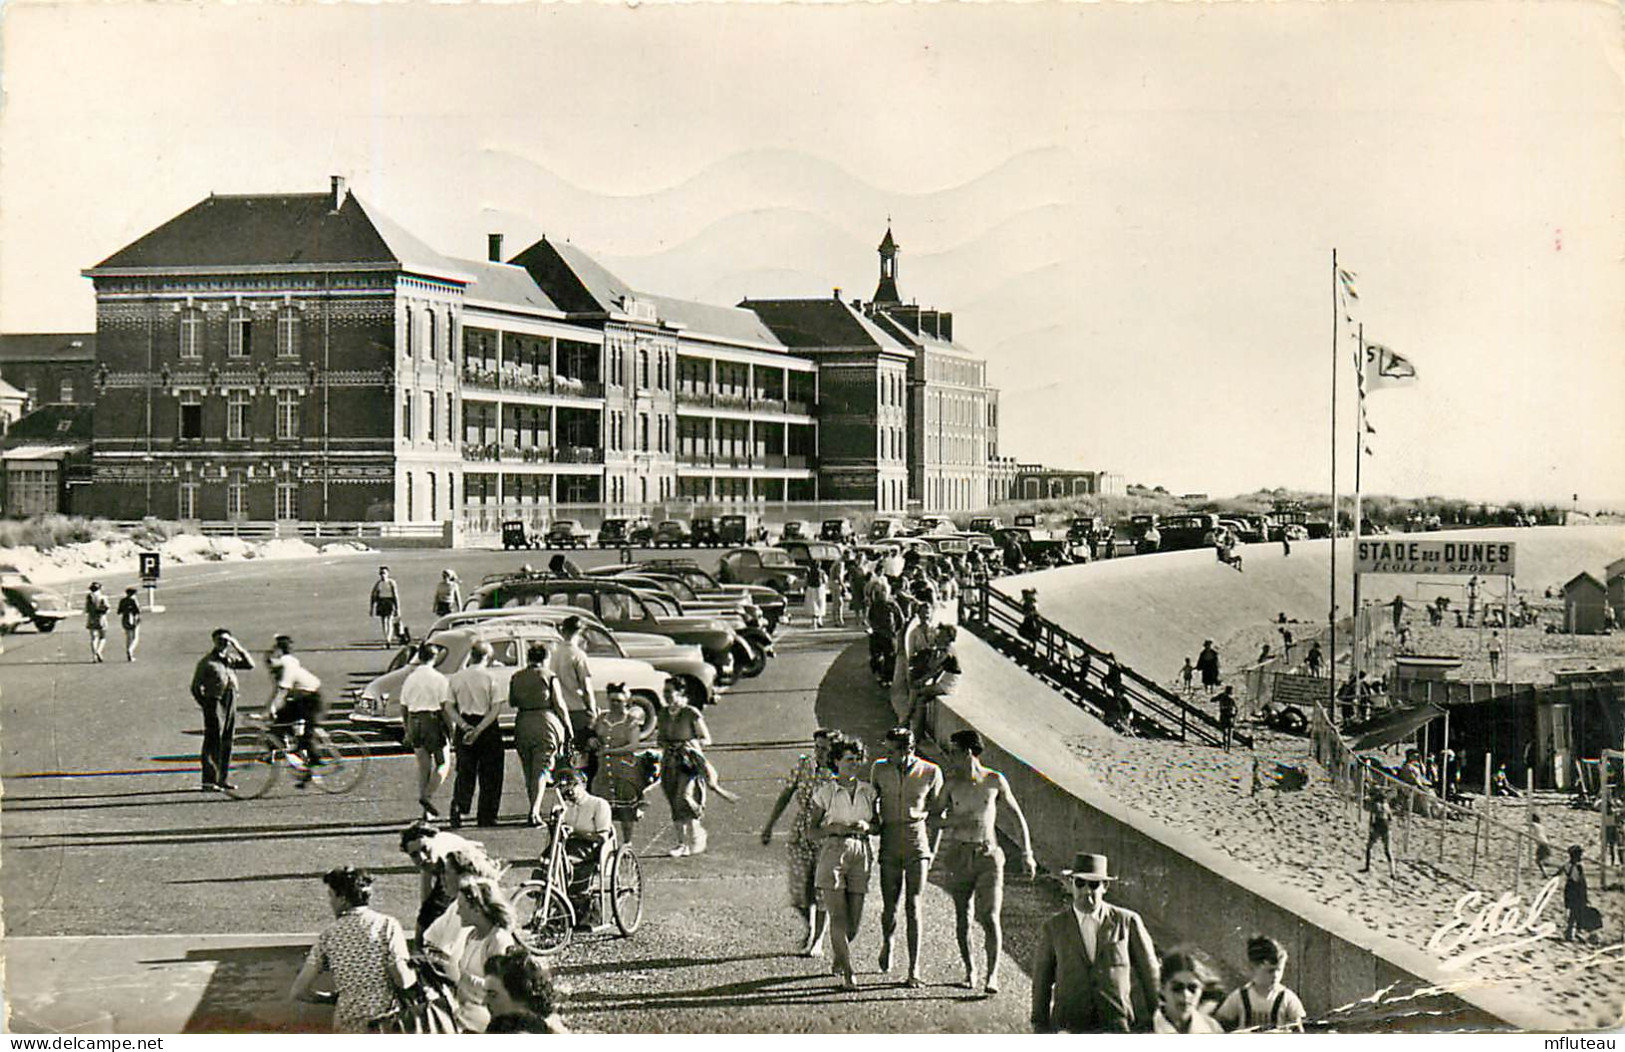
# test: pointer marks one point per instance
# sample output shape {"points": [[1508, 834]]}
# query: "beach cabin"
{"points": [[1585, 605], [1614, 575]]}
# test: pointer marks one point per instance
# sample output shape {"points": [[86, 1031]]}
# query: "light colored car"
{"points": [[379, 703], [683, 662], [34, 602]]}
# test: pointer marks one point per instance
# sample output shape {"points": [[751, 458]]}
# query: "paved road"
{"points": [[105, 834]]}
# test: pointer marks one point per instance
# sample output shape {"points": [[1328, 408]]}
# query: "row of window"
{"points": [[615, 437], [893, 388], [64, 391], [617, 489], [410, 421], [240, 333], [891, 443], [431, 338], [239, 401], [661, 363], [287, 499], [957, 410]]}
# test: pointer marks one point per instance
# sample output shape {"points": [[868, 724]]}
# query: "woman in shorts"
{"points": [[843, 813]]}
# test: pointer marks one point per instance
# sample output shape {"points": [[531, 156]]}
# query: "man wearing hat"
{"points": [[1095, 969], [215, 688]]}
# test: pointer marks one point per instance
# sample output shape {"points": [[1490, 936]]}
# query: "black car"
{"points": [[637, 533], [703, 531], [671, 534]]}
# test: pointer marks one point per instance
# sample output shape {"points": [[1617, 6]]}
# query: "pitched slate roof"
{"points": [[48, 346], [57, 422], [899, 325], [225, 232], [1583, 578], [823, 324], [705, 319], [504, 283], [572, 279]]}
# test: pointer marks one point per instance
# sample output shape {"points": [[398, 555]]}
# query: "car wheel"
{"points": [[748, 660], [694, 691], [45, 624]]}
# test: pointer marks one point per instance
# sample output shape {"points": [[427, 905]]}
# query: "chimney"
{"points": [[837, 294], [338, 192], [493, 247], [945, 324]]}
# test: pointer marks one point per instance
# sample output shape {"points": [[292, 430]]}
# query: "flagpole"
{"points": [[1331, 702], [1359, 459]]}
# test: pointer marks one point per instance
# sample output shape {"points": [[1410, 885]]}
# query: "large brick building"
{"points": [[301, 356]]}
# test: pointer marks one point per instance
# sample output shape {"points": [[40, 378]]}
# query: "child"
{"points": [[1263, 1004], [1575, 899], [1382, 820], [1543, 843], [1187, 674]]}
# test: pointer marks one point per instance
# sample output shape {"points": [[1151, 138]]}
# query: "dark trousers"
{"points": [[480, 761], [219, 727], [882, 656]]}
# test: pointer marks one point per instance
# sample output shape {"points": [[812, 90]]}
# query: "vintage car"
{"points": [[796, 530], [1184, 532], [887, 527], [566, 533], [618, 606], [515, 534], [806, 553], [378, 703], [1146, 533], [933, 524], [635, 533], [770, 566], [36, 603], [836, 531], [769, 600], [741, 529], [703, 531], [948, 543], [730, 608], [682, 662], [672, 534], [986, 524]]}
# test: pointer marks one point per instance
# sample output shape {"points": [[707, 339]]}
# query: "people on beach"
{"points": [[843, 812], [1495, 655], [1575, 898], [1187, 675], [1542, 842], [909, 788], [1314, 658], [1380, 816], [1207, 663], [129, 618], [1227, 716], [96, 608], [817, 598], [1262, 1003], [971, 859], [1095, 968]]}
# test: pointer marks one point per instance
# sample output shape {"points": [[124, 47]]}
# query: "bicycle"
{"points": [[258, 755], [548, 914]]}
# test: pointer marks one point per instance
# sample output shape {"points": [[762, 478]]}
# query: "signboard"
{"points": [[151, 566], [1380, 555]]}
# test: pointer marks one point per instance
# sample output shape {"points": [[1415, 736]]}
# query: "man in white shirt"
{"points": [[908, 787], [575, 684], [295, 698], [426, 707], [477, 703]]}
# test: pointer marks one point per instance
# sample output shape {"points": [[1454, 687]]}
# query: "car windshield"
{"points": [[679, 588], [564, 524], [775, 557], [597, 641]]}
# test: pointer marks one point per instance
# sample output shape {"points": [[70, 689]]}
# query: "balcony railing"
{"points": [[520, 381], [506, 454], [796, 408], [578, 455]]}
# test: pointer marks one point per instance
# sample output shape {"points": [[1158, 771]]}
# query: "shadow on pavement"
{"points": [[193, 835], [247, 991]]}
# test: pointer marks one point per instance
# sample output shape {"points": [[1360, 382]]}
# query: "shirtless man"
{"points": [[971, 858]]}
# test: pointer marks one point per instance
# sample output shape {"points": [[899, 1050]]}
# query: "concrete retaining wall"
{"points": [[1188, 891]]}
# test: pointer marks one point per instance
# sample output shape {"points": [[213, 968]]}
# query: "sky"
{"points": [[1130, 208]]}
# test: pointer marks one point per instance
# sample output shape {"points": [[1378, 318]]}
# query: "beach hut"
{"points": [[1585, 605], [1614, 575]]}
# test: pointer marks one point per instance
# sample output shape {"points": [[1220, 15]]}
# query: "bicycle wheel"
{"points": [[544, 925], [341, 760], [255, 759], [626, 891]]}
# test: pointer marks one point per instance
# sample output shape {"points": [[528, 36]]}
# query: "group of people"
{"points": [[470, 973], [98, 609], [923, 814]]}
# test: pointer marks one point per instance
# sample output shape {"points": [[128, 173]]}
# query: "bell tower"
{"points": [[886, 292]]}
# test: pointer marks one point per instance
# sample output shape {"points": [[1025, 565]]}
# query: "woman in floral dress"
{"points": [[802, 851]]}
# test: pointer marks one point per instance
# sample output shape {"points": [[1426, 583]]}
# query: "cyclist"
{"points": [[295, 698]]}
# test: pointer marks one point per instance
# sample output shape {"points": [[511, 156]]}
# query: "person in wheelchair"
{"points": [[296, 697], [589, 835]]}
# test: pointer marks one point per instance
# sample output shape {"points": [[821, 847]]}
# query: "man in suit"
{"points": [[1095, 970], [214, 688]]}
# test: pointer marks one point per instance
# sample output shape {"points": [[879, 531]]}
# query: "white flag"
{"points": [[1385, 368]]}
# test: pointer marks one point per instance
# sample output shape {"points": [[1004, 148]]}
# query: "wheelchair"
{"points": [[549, 909]]}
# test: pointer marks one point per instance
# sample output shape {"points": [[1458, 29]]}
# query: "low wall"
{"points": [[1187, 891]]}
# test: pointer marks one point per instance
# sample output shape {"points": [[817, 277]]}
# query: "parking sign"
{"points": [[151, 566]]}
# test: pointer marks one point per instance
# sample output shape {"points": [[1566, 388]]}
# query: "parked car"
{"points": [[948, 543], [1027, 520], [730, 608], [39, 604], [567, 533], [617, 606], [1185, 532], [378, 703], [986, 524], [769, 566], [672, 534], [703, 531], [516, 535], [806, 553], [635, 533], [1252, 529], [796, 530], [887, 527], [934, 524], [1146, 533], [683, 662], [838, 531], [741, 529], [769, 601]]}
